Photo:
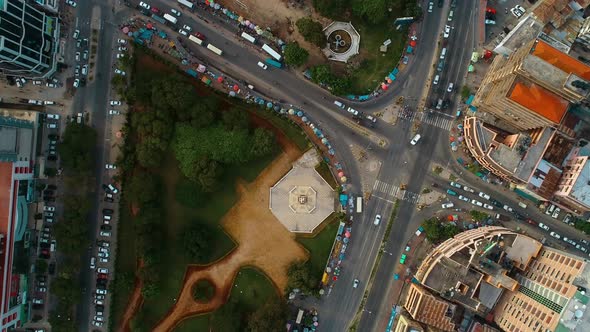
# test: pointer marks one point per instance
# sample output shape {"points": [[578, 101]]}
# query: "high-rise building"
{"points": [[511, 278], [17, 148], [29, 40], [573, 189], [533, 87], [430, 310]]}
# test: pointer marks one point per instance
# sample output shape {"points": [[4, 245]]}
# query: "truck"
{"points": [[195, 39], [188, 4], [273, 63], [158, 19], [170, 18], [214, 49], [272, 52], [359, 204]]}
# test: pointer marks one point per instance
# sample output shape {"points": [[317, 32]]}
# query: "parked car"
{"points": [[463, 198], [467, 189], [555, 235], [115, 103], [456, 185], [543, 226], [487, 206], [447, 205], [76, 34], [476, 202], [175, 12], [484, 195]]}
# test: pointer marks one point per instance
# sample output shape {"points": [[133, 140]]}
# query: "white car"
{"points": [[120, 55], [467, 189], [144, 5], [447, 31], [48, 208], [463, 198], [520, 8], [508, 208], [76, 83], [122, 48], [76, 34], [115, 103], [71, 3], [487, 206], [450, 87], [555, 235], [543, 226], [262, 65], [51, 85], [52, 126], [103, 270], [447, 205], [484, 195], [37, 82], [110, 166], [430, 6], [355, 283], [175, 12], [377, 220], [97, 323], [187, 28], [85, 70], [121, 41], [415, 140], [53, 116], [85, 55], [114, 112], [183, 32], [101, 291], [103, 259], [93, 262], [490, 22], [120, 72], [476, 202], [105, 233], [103, 255], [556, 213]]}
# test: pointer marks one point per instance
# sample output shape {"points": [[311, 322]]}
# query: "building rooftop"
{"points": [[561, 60], [527, 29], [523, 250], [581, 188], [539, 100], [533, 155]]}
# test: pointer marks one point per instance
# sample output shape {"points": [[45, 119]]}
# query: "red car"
{"points": [[155, 10], [103, 276], [491, 10], [200, 36]]}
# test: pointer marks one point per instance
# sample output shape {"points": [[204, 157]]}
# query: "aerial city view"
{"points": [[295, 165]]}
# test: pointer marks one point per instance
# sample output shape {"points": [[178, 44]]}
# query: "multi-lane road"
{"points": [[401, 163]]}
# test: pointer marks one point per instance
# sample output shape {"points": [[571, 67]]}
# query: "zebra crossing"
{"points": [[436, 119], [390, 192]]}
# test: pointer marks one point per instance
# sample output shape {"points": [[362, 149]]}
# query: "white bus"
{"points": [[214, 49], [249, 38], [170, 18], [195, 39], [188, 4], [272, 52], [359, 204]]}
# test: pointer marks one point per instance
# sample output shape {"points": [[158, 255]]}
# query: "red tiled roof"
{"points": [[561, 60], [540, 101]]}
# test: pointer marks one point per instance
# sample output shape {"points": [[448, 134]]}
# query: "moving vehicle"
{"points": [[272, 52], [262, 65], [214, 49], [195, 40], [248, 37], [543, 226], [186, 3], [415, 140], [175, 12], [273, 63], [144, 5], [355, 283], [170, 18], [377, 220], [93, 262], [436, 79], [450, 88], [359, 204]]}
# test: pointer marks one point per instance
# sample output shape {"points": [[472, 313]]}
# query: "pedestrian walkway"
{"points": [[389, 192], [436, 119]]}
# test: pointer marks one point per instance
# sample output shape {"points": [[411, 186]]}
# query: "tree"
{"points": [[331, 8], [142, 188], [150, 289], [477, 215], [263, 142], [77, 148], [204, 172], [295, 55], [220, 319], [373, 11], [271, 317], [432, 229], [235, 119], [321, 74], [299, 276], [465, 92], [196, 240], [311, 31]]}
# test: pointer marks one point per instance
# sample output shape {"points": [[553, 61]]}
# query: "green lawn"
{"points": [[126, 262], [320, 245], [209, 211], [252, 291], [376, 64]]}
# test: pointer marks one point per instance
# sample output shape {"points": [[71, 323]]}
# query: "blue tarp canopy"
{"points": [[470, 100], [409, 49]]}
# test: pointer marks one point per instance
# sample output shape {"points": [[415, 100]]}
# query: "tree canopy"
{"points": [[438, 232], [312, 31], [373, 11], [77, 148], [271, 317], [197, 242], [299, 276], [295, 55]]}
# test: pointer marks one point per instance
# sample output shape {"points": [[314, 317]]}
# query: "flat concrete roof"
{"points": [[581, 189], [524, 32], [302, 199]]}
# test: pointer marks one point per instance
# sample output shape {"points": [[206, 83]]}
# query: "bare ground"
{"points": [[262, 242]]}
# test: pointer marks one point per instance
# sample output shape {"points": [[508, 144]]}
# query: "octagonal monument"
{"points": [[343, 41]]}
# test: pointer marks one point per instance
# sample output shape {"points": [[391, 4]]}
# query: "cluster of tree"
{"points": [[201, 151], [582, 225], [300, 277], [322, 74], [270, 317], [77, 153], [478, 216], [312, 31], [437, 232], [196, 240], [370, 11], [141, 190], [295, 55], [77, 149]]}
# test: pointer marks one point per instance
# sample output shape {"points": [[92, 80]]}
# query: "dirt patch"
{"points": [[263, 243], [135, 303]]}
